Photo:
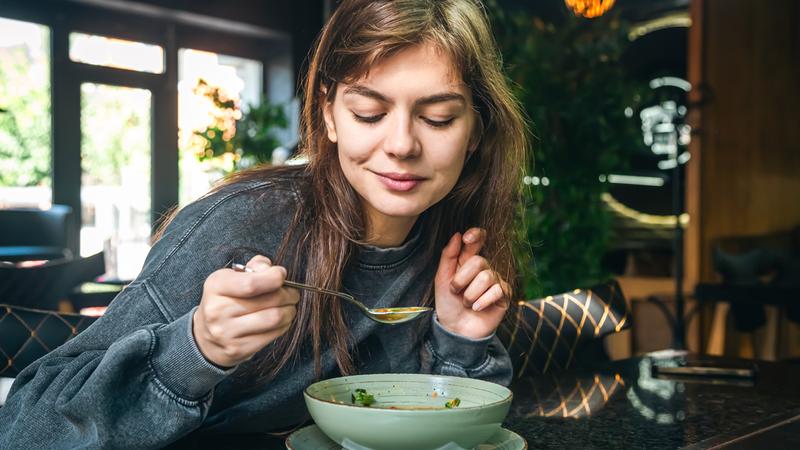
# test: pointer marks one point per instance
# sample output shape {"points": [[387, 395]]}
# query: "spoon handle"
{"points": [[295, 284], [320, 290]]}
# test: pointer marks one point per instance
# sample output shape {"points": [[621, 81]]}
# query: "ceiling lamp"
{"points": [[589, 8]]}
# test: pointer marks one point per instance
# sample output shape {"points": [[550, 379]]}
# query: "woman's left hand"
{"points": [[471, 298]]}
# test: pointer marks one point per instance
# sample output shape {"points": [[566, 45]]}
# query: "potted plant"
{"points": [[239, 137], [571, 83]]}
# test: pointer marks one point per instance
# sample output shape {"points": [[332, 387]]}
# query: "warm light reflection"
{"points": [[678, 20], [117, 53], [589, 8], [648, 219], [566, 395]]}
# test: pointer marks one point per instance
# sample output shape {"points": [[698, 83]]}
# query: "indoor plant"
{"points": [[570, 81]]}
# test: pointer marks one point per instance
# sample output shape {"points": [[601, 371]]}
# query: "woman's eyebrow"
{"points": [[435, 98], [439, 98], [366, 92]]}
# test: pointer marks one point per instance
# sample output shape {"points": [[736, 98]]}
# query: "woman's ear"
{"points": [[327, 113]]}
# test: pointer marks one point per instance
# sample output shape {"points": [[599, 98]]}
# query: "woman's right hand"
{"points": [[241, 312]]}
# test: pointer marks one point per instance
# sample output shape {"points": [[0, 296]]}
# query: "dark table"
{"points": [[622, 405]]}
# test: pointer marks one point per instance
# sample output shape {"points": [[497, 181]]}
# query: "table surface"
{"points": [[620, 404]]}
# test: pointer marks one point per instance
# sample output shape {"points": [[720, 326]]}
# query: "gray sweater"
{"points": [[136, 379]]}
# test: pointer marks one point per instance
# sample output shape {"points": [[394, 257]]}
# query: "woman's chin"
{"points": [[400, 209]]}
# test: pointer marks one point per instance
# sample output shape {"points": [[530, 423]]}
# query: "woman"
{"points": [[415, 147]]}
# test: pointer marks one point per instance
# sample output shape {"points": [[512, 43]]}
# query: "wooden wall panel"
{"points": [[749, 139]]}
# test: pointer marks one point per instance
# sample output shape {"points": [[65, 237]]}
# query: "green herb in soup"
{"points": [[450, 404], [362, 398]]}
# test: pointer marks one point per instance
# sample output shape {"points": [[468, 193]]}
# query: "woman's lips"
{"points": [[400, 182]]}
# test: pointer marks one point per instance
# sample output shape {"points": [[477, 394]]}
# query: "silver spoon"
{"points": [[380, 315]]}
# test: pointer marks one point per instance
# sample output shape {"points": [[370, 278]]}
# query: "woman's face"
{"points": [[402, 132]]}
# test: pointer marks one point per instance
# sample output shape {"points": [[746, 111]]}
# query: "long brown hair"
{"points": [[359, 34]]}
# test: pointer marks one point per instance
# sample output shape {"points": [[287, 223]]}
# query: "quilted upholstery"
{"points": [[545, 334], [27, 334]]}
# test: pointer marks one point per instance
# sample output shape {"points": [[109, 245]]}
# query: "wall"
{"points": [[744, 176]]}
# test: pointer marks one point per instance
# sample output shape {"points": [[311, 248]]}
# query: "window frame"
{"points": [[265, 46]]}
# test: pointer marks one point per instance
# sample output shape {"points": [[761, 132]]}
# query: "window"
{"points": [[25, 174], [118, 53], [200, 73], [115, 184], [107, 146]]}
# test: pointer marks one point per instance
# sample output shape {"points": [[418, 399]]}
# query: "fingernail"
{"points": [[469, 238], [477, 306], [259, 266]]}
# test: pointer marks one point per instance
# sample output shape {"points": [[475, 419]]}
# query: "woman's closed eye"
{"points": [[372, 119], [368, 119], [438, 123]]}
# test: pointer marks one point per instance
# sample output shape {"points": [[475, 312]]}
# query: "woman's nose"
{"points": [[401, 141]]}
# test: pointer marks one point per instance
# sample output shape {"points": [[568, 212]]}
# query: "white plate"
{"points": [[312, 438]]}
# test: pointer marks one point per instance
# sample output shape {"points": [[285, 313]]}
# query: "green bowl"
{"points": [[421, 423]]}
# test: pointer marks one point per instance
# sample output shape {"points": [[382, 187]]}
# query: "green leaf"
{"points": [[362, 398]]}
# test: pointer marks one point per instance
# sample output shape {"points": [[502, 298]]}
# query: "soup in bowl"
{"points": [[407, 411]]}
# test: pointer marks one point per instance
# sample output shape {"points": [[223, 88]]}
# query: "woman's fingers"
{"points": [[230, 283], [258, 263], [242, 311], [236, 307], [448, 263], [496, 295], [237, 350], [264, 321], [467, 273], [484, 280], [473, 240]]}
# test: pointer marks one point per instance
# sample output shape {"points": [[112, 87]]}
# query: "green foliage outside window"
{"points": [[24, 118], [115, 134], [243, 138]]}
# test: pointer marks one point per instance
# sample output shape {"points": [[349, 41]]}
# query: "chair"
{"points": [[29, 233], [27, 334], [554, 332], [756, 271], [43, 286]]}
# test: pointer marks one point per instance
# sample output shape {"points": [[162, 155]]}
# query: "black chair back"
{"points": [[29, 233], [28, 334], [44, 285]]}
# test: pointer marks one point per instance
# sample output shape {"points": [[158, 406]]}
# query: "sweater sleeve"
{"points": [[136, 378], [446, 353], [130, 380]]}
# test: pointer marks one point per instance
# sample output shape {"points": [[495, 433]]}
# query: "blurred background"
{"points": [[665, 152]]}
